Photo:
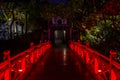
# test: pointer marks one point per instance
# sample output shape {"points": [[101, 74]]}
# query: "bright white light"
{"points": [[9, 19], [56, 34], [64, 56], [99, 70], [64, 33], [64, 52], [20, 70]]}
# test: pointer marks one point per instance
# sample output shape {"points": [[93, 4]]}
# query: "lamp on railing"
{"points": [[98, 61], [14, 68]]}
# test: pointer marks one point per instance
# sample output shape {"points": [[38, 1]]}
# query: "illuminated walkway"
{"points": [[59, 64]]}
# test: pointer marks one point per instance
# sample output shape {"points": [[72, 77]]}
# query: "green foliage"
{"points": [[92, 35]]}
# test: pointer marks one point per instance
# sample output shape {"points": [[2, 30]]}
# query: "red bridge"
{"points": [[47, 62]]}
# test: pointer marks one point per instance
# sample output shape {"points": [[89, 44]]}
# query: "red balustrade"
{"points": [[16, 67], [101, 66]]}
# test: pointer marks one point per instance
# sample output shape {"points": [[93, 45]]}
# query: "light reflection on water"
{"points": [[64, 56]]}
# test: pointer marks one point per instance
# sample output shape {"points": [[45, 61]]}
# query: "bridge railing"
{"points": [[15, 68], [103, 67]]}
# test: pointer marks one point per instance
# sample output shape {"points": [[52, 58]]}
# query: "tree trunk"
{"points": [[26, 22], [12, 24]]}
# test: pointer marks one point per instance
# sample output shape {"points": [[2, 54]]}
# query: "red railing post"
{"points": [[88, 44], [87, 57], [96, 65], [14, 68], [113, 75], [32, 58], [112, 53], [1, 76], [7, 75], [23, 67], [101, 64], [37, 54], [32, 52]]}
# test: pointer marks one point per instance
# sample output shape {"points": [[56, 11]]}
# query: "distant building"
{"points": [[59, 21]]}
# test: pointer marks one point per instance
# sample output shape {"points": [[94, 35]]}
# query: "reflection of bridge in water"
{"points": [[46, 62]]}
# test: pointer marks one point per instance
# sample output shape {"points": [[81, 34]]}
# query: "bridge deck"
{"points": [[59, 63]]}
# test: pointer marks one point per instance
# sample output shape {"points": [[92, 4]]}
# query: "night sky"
{"points": [[58, 1]]}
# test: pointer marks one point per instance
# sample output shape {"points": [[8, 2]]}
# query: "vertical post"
{"points": [[7, 75], [25, 22], [37, 53], [113, 75], [110, 65], [96, 66], [11, 24], [87, 57], [112, 53], [88, 44], [32, 58], [23, 65], [14, 29], [8, 71], [32, 54]]}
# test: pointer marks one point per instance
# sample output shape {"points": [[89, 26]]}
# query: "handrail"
{"points": [[114, 63], [98, 62], [20, 63]]}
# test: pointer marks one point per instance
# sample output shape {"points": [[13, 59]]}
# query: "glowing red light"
{"points": [[96, 66], [87, 57], [7, 75], [113, 75]]}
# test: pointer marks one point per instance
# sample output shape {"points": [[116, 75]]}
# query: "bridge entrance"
{"points": [[60, 30], [59, 36]]}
